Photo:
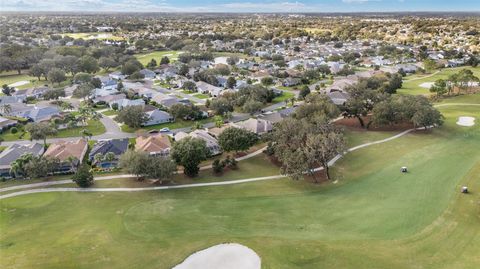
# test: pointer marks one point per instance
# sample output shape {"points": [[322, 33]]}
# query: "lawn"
{"points": [[411, 84], [12, 77], [284, 97], [110, 113], [201, 96], [145, 58], [172, 125], [95, 127], [373, 217]]}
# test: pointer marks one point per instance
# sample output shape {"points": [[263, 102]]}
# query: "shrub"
{"points": [[14, 130], [218, 166]]}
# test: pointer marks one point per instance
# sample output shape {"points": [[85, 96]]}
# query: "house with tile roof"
{"points": [[158, 145], [66, 151]]}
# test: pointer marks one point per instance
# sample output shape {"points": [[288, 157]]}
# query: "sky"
{"points": [[240, 6]]}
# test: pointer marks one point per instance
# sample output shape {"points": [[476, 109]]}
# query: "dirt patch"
{"points": [[354, 124]]}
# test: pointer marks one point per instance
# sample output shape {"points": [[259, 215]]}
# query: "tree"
{"points": [[189, 86], [361, 101], [217, 166], [183, 70], [164, 60], [236, 139], [131, 66], [133, 116], [427, 116], [395, 82], [107, 63], [39, 131], [40, 166], [218, 121], [7, 90], [54, 94], [221, 106], [56, 75], [152, 64], [37, 71], [86, 113], [160, 168], [189, 152], [304, 92], [310, 145], [88, 64], [83, 91], [134, 163], [17, 167], [429, 65], [317, 106], [82, 78], [252, 106], [186, 112], [136, 76], [85, 133], [84, 177], [231, 82], [439, 87], [266, 81]]}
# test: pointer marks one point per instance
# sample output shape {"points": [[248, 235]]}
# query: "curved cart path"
{"points": [[230, 182]]}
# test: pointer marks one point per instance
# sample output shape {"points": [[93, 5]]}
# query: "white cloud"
{"points": [[359, 1]]}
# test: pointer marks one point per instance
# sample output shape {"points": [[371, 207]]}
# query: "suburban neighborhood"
{"points": [[239, 140]]}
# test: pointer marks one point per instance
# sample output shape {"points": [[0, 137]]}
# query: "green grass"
{"points": [[12, 77], [172, 125], [373, 217], [201, 96], [411, 84], [284, 97], [110, 113], [145, 58], [95, 127]]}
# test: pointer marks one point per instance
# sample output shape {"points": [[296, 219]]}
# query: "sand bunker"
{"points": [[223, 256], [466, 121], [19, 83], [426, 85]]}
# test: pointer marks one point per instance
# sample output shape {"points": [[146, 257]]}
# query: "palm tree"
{"points": [[7, 108], [66, 106], [86, 133], [109, 157], [73, 161]]}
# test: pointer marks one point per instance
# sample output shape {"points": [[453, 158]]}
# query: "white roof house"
{"points": [[212, 143]]}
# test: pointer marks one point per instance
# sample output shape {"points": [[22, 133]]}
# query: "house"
{"points": [[149, 74], [289, 82], [14, 152], [166, 100], [257, 126], [206, 88], [98, 92], [157, 116], [42, 113], [211, 142], [67, 150], [6, 123], [108, 99], [5, 99], [338, 97], [117, 75], [158, 145], [102, 147], [108, 83], [122, 103], [32, 92], [34, 113]]}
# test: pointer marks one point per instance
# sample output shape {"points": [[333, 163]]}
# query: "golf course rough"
{"points": [[374, 217]]}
